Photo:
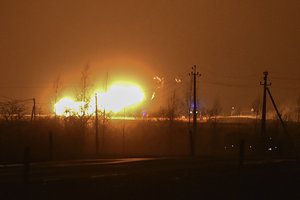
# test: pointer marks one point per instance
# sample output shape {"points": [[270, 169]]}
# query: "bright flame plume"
{"points": [[118, 97]]}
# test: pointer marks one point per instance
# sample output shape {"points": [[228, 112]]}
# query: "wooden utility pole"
{"points": [[50, 138], [96, 124], [263, 119], [195, 74], [104, 114], [123, 132], [26, 171], [298, 113], [264, 104], [33, 113], [190, 101]]}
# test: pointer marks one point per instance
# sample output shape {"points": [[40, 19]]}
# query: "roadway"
{"points": [[153, 178]]}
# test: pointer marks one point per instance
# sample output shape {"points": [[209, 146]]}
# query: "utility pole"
{"points": [[50, 138], [298, 114], [33, 113], [96, 124], [123, 131], [104, 114], [195, 74], [190, 101], [263, 119], [264, 104]]}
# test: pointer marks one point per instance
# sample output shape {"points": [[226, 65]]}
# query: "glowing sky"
{"points": [[231, 41]]}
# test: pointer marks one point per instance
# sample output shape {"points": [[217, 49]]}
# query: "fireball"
{"points": [[67, 106], [118, 97]]}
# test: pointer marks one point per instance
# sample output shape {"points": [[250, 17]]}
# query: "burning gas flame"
{"points": [[118, 97]]}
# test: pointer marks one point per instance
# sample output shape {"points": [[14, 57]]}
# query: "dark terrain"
{"points": [[154, 178]]}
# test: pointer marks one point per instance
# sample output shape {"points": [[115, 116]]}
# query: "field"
{"points": [[74, 138]]}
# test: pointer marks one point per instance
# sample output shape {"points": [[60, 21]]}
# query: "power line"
{"points": [[207, 70], [23, 87], [285, 78], [229, 84]]}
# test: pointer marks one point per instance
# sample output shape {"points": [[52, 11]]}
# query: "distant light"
{"points": [[144, 113], [270, 149], [178, 80], [232, 145]]}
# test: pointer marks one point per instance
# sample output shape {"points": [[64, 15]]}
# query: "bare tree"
{"points": [[255, 107], [172, 107], [12, 110], [161, 113], [57, 89], [213, 114], [286, 113], [215, 110], [84, 89]]}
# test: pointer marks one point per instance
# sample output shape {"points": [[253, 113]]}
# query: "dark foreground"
{"points": [[158, 178]]}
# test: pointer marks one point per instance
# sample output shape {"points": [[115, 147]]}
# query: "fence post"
{"points": [[26, 173], [50, 138]]}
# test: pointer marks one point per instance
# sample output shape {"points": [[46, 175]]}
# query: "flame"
{"points": [[67, 106], [118, 97]]}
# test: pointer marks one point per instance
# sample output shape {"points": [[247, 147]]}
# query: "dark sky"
{"points": [[231, 41]]}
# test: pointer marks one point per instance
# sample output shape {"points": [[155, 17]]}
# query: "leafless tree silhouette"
{"points": [[172, 107], [84, 89], [215, 110], [57, 86], [255, 108], [11, 110]]}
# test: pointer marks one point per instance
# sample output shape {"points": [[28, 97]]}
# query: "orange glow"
{"points": [[118, 97], [67, 106]]}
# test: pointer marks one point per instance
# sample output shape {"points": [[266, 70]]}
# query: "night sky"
{"points": [[231, 41]]}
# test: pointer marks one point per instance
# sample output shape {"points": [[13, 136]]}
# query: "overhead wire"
{"points": [[209, 76]]}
